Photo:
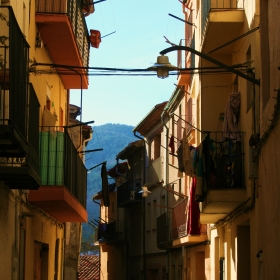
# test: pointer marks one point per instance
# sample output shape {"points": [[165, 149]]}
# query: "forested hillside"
{"points": [[112, 138]]}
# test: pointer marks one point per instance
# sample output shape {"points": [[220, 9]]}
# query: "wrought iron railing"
{"points": [[60, 163], [224, 160], [29, 143], [128, 193], [155, 171], [13, 71], [111, 233], [73, 9], [174, 225]]}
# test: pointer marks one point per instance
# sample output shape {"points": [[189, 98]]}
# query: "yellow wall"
{"points": [[39, 227]]}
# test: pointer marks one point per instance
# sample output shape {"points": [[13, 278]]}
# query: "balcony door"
{"points": [[200, 265], [40, 266]]}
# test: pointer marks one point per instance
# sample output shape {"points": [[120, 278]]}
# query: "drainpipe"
{"points": [[84, 144], [143, 210], [166, 175], [64, 249], [16, 242]]}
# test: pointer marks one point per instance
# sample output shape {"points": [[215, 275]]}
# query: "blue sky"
{"points": [[140, 27]]}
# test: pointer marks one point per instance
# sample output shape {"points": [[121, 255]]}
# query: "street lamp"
{"points": [[163, 66]]}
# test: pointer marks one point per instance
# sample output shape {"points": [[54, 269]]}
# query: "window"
{"points": [[155, 147], [41, 256]]}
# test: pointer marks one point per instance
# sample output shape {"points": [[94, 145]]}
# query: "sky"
{"points": [[138, 29]]}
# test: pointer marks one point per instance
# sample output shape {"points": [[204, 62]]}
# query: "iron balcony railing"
{"points": [[208, 5], [155, 171], [128, 193], [111, 233], [73, 9], [174, 225], [224, 160], [13, 72], [29, 143], [60, 163]]}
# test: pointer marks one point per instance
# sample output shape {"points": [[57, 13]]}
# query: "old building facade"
{"points": [[42, 175], [210, 173]]}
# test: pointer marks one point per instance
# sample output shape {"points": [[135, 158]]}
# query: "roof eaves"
{"points": [[146, 118]]}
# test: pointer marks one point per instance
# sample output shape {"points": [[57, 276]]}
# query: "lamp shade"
{"points": [[162, 66]]}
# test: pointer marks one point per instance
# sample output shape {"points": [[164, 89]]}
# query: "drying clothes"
{"points": [[230, 126], [184, 157], [180, 154], [105, 186], [200, 172], [171, 144], [193, 225]]}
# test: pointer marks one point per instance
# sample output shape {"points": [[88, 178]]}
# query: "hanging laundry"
{"points": [[193, 226], [230, 126], [180, 160], [184, 157], [171, 144], [105, 186]]}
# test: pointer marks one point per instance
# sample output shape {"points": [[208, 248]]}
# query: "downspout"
{"points": [[166, 174], [143, 209], [64, 250], [16, 242]]}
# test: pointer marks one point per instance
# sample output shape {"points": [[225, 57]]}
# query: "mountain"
{"points": [[112, 138]]}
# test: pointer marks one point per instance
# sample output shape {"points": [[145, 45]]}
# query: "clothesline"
{"points": [[206, 132]]}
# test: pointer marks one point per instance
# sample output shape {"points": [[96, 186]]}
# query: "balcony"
{"points": [[64, 177], [172, 228], [221, 21], [225, 177], [111, 233], [63, 31], [19, 160], [180, 234], [155, 171], [128, 194]]}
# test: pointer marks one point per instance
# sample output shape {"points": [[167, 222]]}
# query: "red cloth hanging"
{"points": [[171, 144], [193, 227]]}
